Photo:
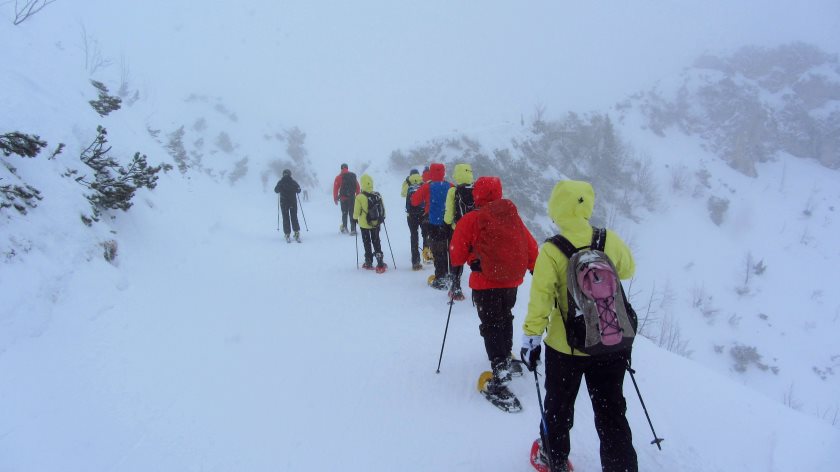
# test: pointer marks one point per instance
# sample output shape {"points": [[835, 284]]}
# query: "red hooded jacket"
{"points": [[462, 246], [337, 186]]}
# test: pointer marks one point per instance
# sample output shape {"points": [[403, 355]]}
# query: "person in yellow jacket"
{"points": [[414, 217], [459, 202], [363, 211], [570, 207]]}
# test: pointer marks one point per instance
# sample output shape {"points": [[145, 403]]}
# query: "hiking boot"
{"points": [[515, 367], [297, 236], [367, 266], [288, 238], [343, 229], [456, 294], [417, 266], [438, 284], [501, 371], [539, 459], [353, 233]]}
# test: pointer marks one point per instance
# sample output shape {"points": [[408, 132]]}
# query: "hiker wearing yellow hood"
{"points": [[570, 207], [459, 201], [370, 229]]}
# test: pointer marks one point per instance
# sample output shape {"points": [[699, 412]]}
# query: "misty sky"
{"points": [[364, 77]]}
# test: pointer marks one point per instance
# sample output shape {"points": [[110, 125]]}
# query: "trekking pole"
{"points": [[278, 212], [656, 439], [389, 244], [446, 330], [303, 214], [357, 250], [543, 424]]}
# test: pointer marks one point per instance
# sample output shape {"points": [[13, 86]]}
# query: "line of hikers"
{"points": [[469, 222]]}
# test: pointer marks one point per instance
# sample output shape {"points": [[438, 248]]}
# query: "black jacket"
{"points": [[287, 188]]}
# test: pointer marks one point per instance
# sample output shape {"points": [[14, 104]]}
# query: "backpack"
{"points": [[599, 319], [501, 250], [375, 210], [348, 185], [437, 201], [409, 208], [464, 202]]}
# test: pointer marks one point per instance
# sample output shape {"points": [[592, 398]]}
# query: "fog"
{"points": [[364, 77]]}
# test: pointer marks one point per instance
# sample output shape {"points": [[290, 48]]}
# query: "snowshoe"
{"points": [[456, 294], [498, 394], [353, 233], [436, 283], [367, 266], [343, 229], [427, 255], [539, 460], [516, 367], [288, 238], [417, 266], [297, 236]]}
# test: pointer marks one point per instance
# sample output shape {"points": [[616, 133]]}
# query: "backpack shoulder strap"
{"points": [[599, 238], [563, 244]]}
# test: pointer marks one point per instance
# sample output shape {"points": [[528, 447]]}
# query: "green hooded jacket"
{"points": [[570, 207], [361, 205], [463, 175]]}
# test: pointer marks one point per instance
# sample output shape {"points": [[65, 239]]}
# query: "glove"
{"points": [[475, 265], [531, 349], [335, 201]]}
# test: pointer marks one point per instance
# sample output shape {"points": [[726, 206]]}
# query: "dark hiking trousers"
{"points": [[370, 237], [439, 244], [347, 212], [495, 307], [414, 223], [289, 211], [604, 380]]}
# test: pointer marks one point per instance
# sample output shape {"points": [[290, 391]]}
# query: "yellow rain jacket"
{"points": [[463, 175], [570, 207], [361, 206], [412, 179]]}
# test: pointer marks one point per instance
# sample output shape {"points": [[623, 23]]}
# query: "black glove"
{"points": [[531, 349], [475, 265]]}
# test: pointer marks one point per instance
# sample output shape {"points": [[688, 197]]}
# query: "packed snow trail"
{"points": [[215, 345]]}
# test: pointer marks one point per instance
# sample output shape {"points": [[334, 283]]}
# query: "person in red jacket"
{"points": [[345, 189], [499, 248]]}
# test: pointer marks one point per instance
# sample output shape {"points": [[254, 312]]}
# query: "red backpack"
{"points": [[500, 247]]}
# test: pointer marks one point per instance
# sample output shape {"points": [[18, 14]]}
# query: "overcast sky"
{"points": [[364, 77]]}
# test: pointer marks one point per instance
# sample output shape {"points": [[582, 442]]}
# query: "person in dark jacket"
{"points": [[288, 188]]}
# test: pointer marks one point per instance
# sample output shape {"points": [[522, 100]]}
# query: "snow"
{"points": [[211, 344]]}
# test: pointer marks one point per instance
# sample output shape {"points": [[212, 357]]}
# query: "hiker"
{"points": [[288, 189], [363, 212], [433, 195], [570, 207], [499, 249], [414, 216], [345, 189], [459, 202]]}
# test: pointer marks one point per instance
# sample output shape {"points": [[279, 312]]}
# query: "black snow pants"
{"points": [[372, 244], [347, 212], [415, 222], [439, 244], [604, 380], [495, 310], [289, 211]]}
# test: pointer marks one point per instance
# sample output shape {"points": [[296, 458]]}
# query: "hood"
{"points": [[437, 172], [570, 206], [366, 183], [344, 171], [463, 174], [415, 179], [486, 190]]}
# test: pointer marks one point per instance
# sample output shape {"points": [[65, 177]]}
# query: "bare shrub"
{"points": [[110, 250], [717, 207]]}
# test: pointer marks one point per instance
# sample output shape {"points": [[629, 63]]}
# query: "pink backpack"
{"points": [[599, 319]]}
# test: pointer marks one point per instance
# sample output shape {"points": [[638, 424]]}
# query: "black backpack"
{"points": [[464, 202], [409, 208], [348, 185], [375, 210]]}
